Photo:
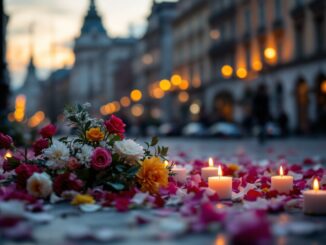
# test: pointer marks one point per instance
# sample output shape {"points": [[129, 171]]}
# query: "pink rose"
{"points": [[5, 141], [66, 182], [101, 158], [48, 131], [115, 126], [73, 163], [40, 145]]}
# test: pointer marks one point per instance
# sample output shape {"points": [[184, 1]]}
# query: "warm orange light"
{"points": [[242, 73], [316, 185], [215, 34], [183, 97], [257, 65], [176, 80], [219, 171], [227, 71], [20, 105], [194, 108], [221, 239], [166, 163], [36, 119], [210, 162], [270, 53], [323, 87], [184, 85], [137, 110], [281, 171], [8, 155], [165, 85], [158, 93], [11, 117], [136, 95], [125, 101]]}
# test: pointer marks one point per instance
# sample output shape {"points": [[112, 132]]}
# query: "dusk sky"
{"points": [[56, 24]]}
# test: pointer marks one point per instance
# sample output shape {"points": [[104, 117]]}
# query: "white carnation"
{"points": [[84, 155], [57, 154], [39, 185], [129, 149]]}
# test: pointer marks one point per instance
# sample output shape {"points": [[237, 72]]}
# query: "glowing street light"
{"points": [[242, 73], [176, 80], [183, 97], [270, 53], [165, 85], [227, 71], [136, 95], [125, 101], [184, 85], [194, 108]]}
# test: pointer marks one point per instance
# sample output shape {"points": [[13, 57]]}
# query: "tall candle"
{"points": [[314, 201], [282, 183], [221, 184], [209, 171], [180, 174]]}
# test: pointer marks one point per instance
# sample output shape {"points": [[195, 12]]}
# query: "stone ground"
{"points": [[68, 218]]}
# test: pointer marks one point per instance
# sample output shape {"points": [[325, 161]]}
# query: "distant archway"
{"points": [[321, 101], [224, 106], [302, 99], [279, 98]]}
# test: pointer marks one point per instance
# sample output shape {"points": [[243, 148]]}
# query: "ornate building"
{"points": [[96, 58]]}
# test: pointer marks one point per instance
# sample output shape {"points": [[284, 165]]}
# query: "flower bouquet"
{"points": [[95, 155]]}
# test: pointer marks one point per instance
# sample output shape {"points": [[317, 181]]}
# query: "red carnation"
{"points": [[66, 182], [40, 145], [48, 131], [23, 172], [115, 126], [5, 141], [101, 159]]}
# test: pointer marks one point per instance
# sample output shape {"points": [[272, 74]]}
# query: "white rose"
{"points": [[39, 185], [57, 154], [85, 154], [129, 149]]}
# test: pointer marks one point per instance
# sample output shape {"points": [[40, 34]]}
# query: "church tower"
{"points": [[88, 74]]}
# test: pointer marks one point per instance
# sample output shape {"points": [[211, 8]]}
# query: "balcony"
{"points": [[222, 48]]}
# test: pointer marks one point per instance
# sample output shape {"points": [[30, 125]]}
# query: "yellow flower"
{"points": [[94, 134], [152, 175], [82, 199], [233, 167]]}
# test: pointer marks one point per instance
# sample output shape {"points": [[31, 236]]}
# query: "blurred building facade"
{"points": [[96, 58], [153, 62]]}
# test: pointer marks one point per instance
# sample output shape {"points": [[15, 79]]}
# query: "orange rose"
{"points": [[152, 175], [94, 134]]}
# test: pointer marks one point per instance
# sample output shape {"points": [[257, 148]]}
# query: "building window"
{"points": [[247, 17], [262, 12], [319, 35], [299, 2], [299, 42], [278, 9]]}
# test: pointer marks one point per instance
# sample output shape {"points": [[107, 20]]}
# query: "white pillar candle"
{"points": [[314, 201], [209, 171], [180, 174], [282, 183], [221, 184]]}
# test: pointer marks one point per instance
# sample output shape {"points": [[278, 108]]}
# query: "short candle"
{"points": [[180, 174], [314, 201], [282, 183], [221, 184], [209, 171]]}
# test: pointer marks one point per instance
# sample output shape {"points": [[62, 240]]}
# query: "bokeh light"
{"points": [[137, 110], [227, 71], [136, 95], [242, 73], [184, 85], [165, 85], [270, 53], [125, 101], [176, 80], [183, 97]]}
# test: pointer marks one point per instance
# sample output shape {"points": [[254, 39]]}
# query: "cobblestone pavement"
{"points": [[69, 220]]}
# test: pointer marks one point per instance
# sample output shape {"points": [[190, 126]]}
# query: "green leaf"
{"points": [[116, 186], [154, 141], [133, 170]]}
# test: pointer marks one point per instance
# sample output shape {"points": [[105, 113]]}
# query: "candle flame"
{"points": [[8, 155], [316, 184], [281, 171], [219, 171], [210, 162]]}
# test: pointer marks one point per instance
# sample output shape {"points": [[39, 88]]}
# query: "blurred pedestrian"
{"points": [[283, 121], [261, 111]]}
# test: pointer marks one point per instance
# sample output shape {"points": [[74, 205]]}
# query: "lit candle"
{"points": [[221, 184], [180, 174], [282, 183], [7, 155], [314, 201], [209, 171]]}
